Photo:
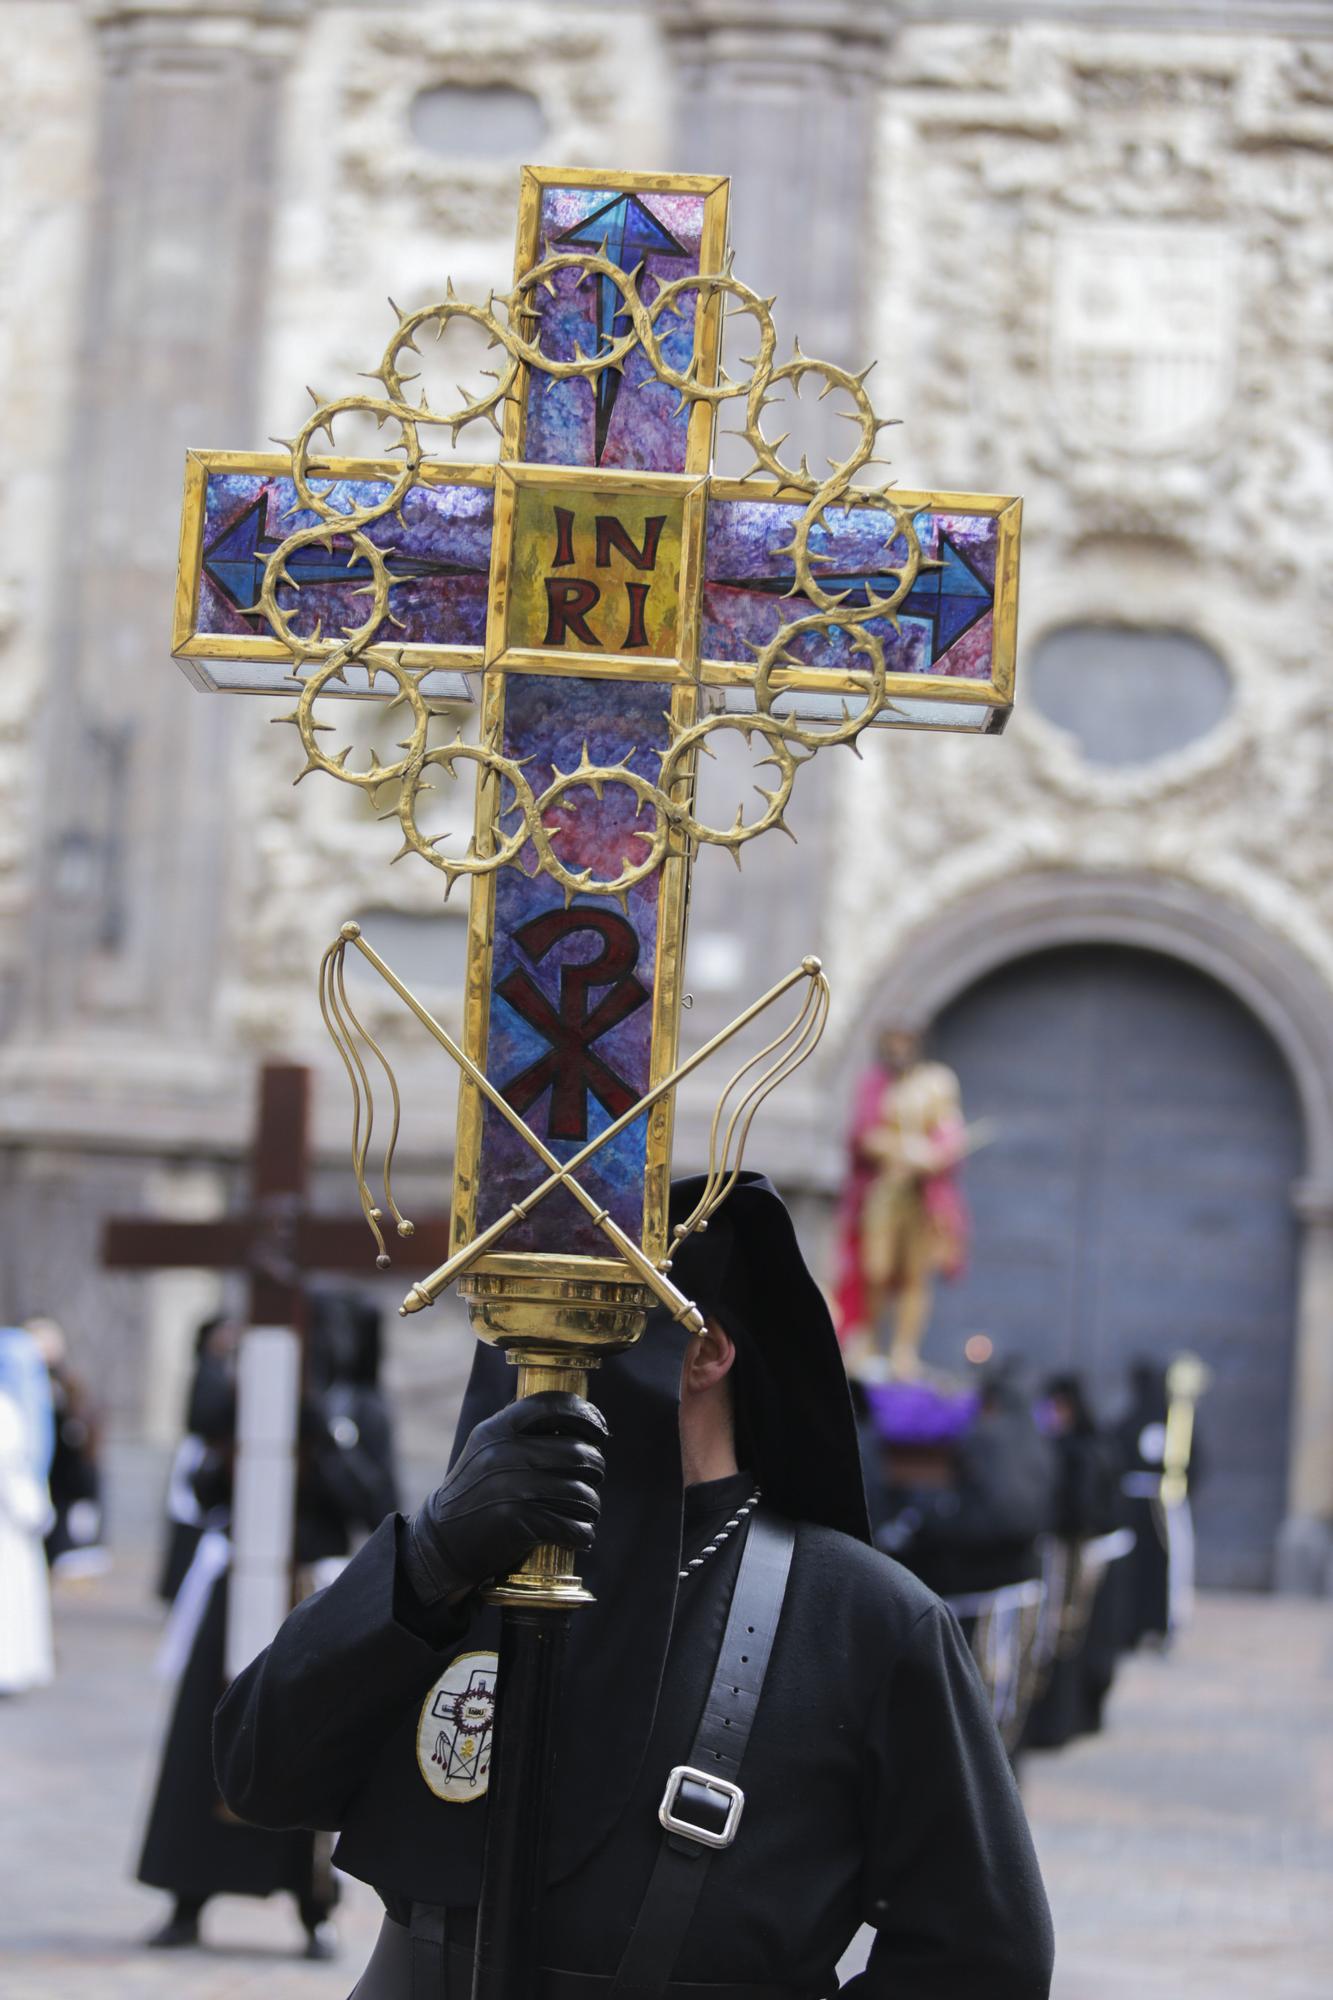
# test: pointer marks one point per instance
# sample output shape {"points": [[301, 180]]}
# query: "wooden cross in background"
{"points": [[280, 1244], [278, 1241]]}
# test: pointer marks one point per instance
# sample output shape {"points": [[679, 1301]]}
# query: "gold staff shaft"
{"points": [[1186, 1380]]}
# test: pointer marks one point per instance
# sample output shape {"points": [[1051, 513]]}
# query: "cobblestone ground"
{"points": [[1189, 1852], [79, 1763]]}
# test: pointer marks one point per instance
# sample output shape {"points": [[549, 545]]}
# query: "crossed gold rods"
{"points": [[726, 1140]]}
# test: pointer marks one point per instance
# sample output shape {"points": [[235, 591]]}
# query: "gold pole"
{"points": [[547, 1578], [1186, 1380]]}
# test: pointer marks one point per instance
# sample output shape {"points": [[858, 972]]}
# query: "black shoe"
{"points": [[176, 1934], [321, 1942]]}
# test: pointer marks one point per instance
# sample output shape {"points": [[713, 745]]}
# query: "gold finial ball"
{"points": [[1187, 1377], [377, 1214], [406, 1228], [812, 965], [350, 930], [383, 1261], [402, 1312]]}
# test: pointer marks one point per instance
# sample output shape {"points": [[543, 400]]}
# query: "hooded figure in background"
{"points": [[193, 1847], [1155, 1587], [209, 1407], [875, 1789], [971, 1499], [1079, 1653]]}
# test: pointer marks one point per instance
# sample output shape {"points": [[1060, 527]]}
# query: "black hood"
{"points": [[796, 1429]]}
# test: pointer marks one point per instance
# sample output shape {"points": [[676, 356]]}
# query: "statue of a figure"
{"points": [[903, 1222]]}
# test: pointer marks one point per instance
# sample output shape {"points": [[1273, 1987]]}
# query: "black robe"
{"points": [[210, 1415], [877, 1790], [75, 1478], [193, 1845], [1081, 1670], [1143, 1584]]}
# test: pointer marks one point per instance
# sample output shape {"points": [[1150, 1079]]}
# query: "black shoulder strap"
{"points": [[702, 1805]]}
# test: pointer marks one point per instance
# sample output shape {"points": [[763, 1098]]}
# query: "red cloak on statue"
{"points": [[940, 1193]]}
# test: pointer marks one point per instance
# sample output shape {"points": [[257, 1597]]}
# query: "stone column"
{"points": [[1305, 1544], [131, 897], [783, 96], [114, 1063]]}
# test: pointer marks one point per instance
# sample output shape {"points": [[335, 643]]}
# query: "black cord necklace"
{"points": [[723, 1534]]}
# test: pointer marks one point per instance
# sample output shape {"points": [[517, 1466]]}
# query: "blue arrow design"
{"points": [[236, 557], [630, 232], [947, 601]]}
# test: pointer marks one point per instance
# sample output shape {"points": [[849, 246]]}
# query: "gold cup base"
{"points": [[530, 1593], [554, 1330], [571, 1319]]}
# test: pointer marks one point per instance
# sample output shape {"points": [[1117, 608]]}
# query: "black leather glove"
{"points": [[529, 1474]]}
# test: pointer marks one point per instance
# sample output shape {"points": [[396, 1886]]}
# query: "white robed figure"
{"points": [[26, 1438]]}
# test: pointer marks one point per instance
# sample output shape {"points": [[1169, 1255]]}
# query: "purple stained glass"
{"points": [[630, 420], [441, 556], [946, 624], [571, 1008]]}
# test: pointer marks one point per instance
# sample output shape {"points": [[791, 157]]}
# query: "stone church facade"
{"points": [[1090, 244]]}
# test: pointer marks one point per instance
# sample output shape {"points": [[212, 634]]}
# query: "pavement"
{"points": [[1188, 1851], [79, 1762]]}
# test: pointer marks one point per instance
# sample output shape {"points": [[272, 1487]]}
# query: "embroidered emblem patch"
{"points": [[454, 1733]]}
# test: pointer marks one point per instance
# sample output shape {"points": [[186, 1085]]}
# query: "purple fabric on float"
{"points": [[920, 1413]]}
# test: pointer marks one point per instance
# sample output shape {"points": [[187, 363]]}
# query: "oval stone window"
{"points": [[490, 120], [1126, 695]]}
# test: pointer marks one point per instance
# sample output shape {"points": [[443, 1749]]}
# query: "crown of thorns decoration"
{"points": [[513, 323]]}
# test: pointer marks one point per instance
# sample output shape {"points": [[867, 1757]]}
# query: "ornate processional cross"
{"points": [[619, 606]]}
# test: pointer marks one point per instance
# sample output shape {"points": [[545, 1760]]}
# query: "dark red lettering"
{"points": [[564, 537], [637, 633], [569, 1069], [568, 600], [612, 534]]}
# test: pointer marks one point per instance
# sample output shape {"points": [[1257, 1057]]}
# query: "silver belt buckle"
{"points": [[733, 1795]]}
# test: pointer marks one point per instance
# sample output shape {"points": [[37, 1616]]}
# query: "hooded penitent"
{"points": [[876, 1784], [795, 1434]]}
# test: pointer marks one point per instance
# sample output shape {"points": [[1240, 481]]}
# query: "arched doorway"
{"points": [[1137, 1199]]}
